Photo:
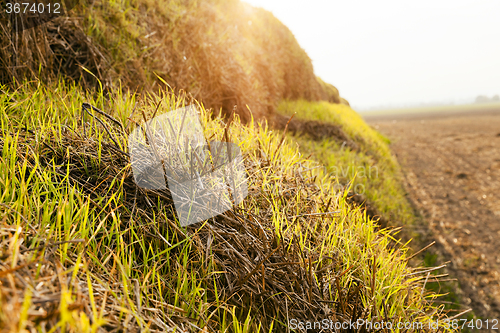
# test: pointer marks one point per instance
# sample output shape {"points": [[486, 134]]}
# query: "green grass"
{"points": [[371, 171], [99, 245]]}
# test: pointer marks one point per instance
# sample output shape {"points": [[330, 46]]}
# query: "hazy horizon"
{"points": [[392, 53], [465, 101]]}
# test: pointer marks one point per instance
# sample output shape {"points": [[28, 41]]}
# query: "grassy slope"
{"points": [[382, 186], [371, 170], [154, 282]]}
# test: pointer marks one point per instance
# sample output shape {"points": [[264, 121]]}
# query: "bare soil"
{"points": [[317, 130], [452, 169]]}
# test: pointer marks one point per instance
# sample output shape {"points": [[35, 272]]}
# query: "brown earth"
{"points": [[452, 168], [316, 130]]}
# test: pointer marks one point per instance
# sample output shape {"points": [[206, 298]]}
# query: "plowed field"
{"points": [[452, 168]]}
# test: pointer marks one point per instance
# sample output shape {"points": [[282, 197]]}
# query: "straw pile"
{"points": [[59, 47], [223, 53]]}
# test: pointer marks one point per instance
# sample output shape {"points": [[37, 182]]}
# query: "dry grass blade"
{"points": [[420, 251]]}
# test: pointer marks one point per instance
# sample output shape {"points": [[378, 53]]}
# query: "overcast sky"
{"points": [[393, 52]]}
